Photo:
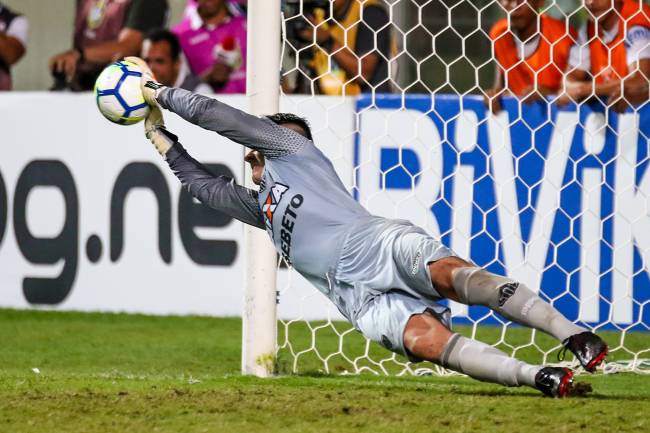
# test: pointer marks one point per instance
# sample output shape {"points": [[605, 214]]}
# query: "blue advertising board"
{"points": [[558, 198]]}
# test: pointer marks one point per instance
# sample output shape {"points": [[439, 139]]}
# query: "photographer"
{"points": [[349, 49]]}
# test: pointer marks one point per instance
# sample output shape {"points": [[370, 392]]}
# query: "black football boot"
{"points": [[588, 348], [554, 381]]}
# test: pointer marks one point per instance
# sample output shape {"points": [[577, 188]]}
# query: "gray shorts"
{"points": [[385, 319], [386, 262]]}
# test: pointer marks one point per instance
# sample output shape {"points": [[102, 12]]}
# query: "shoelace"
{"points": [[562, 353]]}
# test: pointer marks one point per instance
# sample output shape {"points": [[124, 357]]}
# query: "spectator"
{"points": [[214, 43], [13, 42], [236, 7], [105, 30], [162, 52], [351, 54], [531, 52], [612, 56]]}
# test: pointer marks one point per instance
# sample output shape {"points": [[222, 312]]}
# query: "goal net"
{"points": [[556, 197]]}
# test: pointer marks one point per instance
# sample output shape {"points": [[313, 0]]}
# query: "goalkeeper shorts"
{"points": [[385, 263], [386, 315], [384, 255]]}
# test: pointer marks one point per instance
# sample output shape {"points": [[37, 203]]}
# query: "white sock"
{"points": [[484, 362], [513, 300]]}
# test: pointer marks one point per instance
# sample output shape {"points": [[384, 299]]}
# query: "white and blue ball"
{"points": [[118, 94]]}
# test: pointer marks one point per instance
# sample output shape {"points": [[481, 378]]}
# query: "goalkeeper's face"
{"points": [[256, 160]]}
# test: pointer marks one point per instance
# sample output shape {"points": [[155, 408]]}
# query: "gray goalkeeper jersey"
{"points": [[302, 203]]}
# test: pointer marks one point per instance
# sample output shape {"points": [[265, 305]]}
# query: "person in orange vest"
{"points": [[531, 50], [611, 58]]}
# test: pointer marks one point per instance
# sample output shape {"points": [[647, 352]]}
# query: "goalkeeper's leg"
{"points": [[418, 328], [427, 338], [458, 280]]}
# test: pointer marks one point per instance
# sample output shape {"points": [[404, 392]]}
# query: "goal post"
{"points": [[259, 330]]}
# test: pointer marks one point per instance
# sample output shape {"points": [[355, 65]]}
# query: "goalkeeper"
{"points": [[385, 276]]}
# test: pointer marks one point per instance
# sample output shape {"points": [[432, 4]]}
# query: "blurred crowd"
{"points": [[538, 56], [204, 52], [348, 47]]}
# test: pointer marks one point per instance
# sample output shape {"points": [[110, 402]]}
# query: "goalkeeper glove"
{"points": [[150, 89], [148, 84], [162, 139]]}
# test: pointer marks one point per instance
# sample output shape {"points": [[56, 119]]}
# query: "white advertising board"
{"points": [[95, 220]]}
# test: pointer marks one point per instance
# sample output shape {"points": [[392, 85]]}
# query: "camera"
{"points": [[60, 82]]}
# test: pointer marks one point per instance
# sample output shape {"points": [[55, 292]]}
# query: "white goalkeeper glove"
{"points": [[148, 84], [162, 139], [154, 120]]}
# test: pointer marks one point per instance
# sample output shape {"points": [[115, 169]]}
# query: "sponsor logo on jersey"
{"points": [[288, 224], [271, 204], [506, 291]]}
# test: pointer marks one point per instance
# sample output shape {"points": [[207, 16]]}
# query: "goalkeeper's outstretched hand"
{"points": [[148, 84], [154, 122], [162, 139]]}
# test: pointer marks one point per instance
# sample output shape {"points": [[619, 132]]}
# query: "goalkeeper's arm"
{"points": [[218, 192], [258, 133]]}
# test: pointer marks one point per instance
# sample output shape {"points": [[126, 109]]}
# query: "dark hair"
{"points": [[285, 118], [159, 35]]}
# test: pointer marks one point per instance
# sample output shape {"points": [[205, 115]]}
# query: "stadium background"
{"points": [[114, 358], [565, 259], [52, 33]]}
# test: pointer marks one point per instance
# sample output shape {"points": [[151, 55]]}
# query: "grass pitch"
{"points": [[130, 373]]}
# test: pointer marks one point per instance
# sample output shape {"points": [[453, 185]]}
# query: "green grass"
{"points": [[131, 373]]}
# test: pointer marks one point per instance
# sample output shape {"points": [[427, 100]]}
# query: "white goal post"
{"points": [[263, 90]]}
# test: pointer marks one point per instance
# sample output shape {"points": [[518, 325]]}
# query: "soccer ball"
{"points": [[118, 94]]}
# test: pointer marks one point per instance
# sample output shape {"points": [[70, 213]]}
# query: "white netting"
{"points": [[554, 196]]}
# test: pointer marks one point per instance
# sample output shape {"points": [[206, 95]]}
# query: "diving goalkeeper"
{"points": [[385, 276]]}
